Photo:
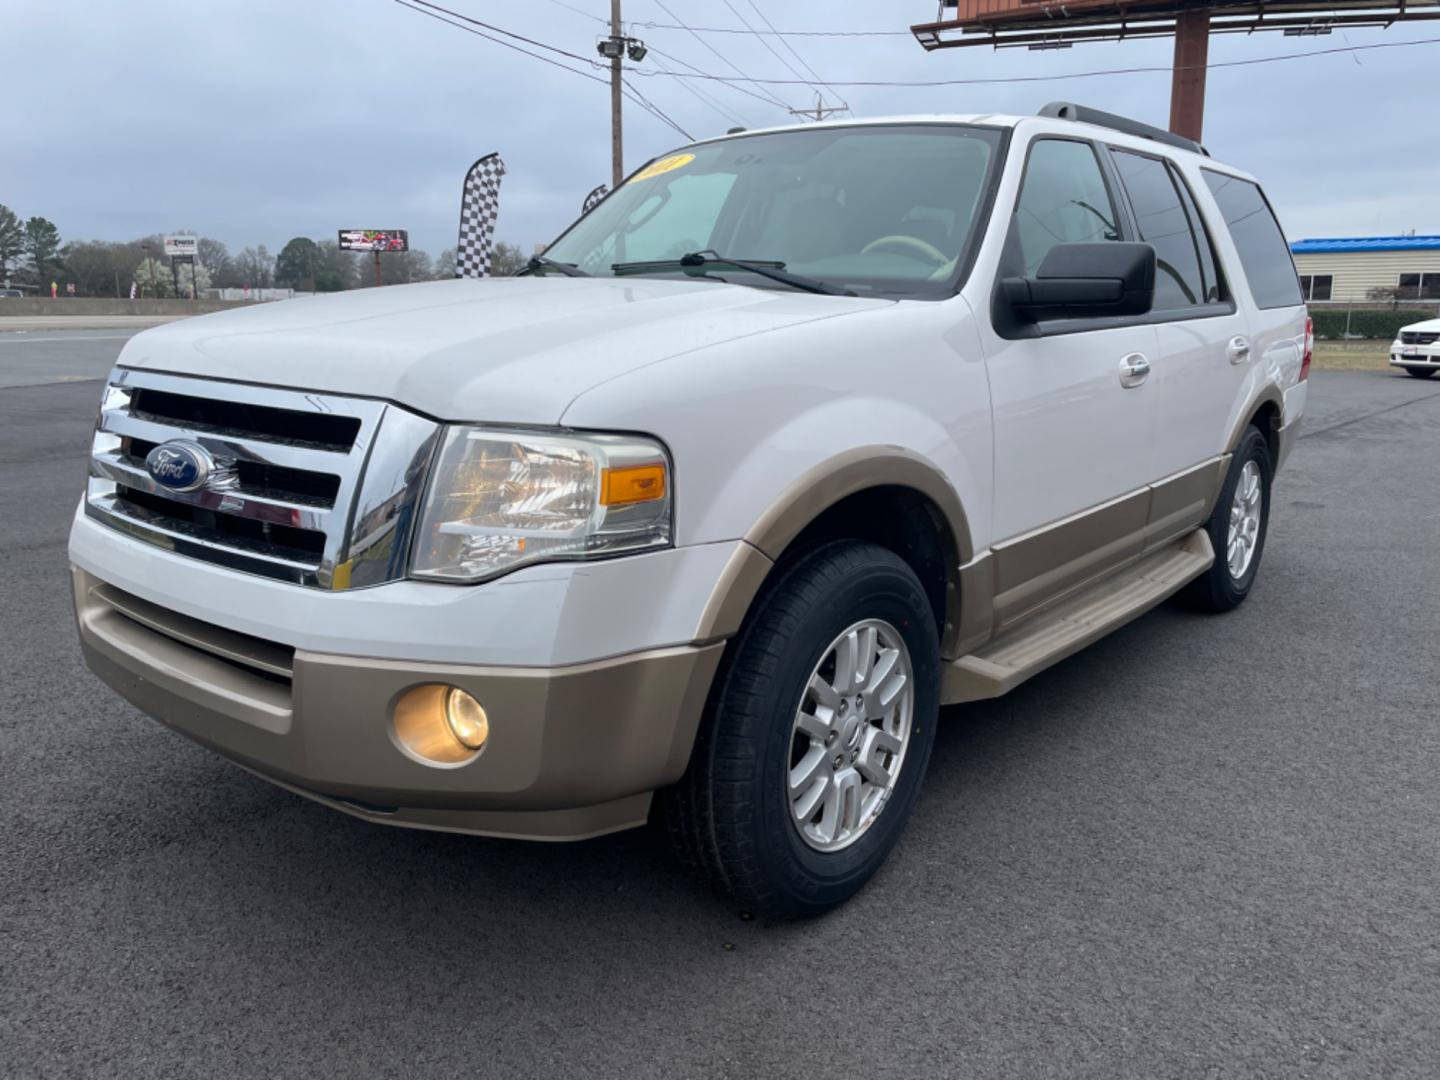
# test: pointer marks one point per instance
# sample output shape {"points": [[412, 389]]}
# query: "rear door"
{"points": [[1267, 289], [1074, 437], [1203, 353]]}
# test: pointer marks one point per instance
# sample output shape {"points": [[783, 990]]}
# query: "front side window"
{"points": [[1161, 222], [1264, 254], [1063, 200], [888, 211]]}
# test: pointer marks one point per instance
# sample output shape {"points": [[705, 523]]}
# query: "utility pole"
{"points": [[820, 111], [1187, 83], [617, 140], [616, 48]]}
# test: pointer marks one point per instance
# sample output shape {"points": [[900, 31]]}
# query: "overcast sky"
{"points": [[255, 122]]}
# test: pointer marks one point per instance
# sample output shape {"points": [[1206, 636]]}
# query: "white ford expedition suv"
{"points": [[798, 436]]}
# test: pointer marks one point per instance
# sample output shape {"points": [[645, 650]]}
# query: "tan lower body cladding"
{"points": [[573, 751], [1045, 565]]}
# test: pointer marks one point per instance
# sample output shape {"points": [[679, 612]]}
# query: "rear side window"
{"points": [[1063, 200], [1163, 224], [1209, 274], [1264, 254]]}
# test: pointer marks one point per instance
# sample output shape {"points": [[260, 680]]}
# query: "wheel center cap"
{"points": [[851, 733]]}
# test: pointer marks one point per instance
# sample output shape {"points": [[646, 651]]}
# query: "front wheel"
{"points": [[816, 736], [1420, 372], [1237, 528]]}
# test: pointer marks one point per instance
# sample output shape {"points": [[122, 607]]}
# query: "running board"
{"points": [[1056, 632]]}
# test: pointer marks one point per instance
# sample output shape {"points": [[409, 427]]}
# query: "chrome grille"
{"points": [[1417, 337], [314, 489]]}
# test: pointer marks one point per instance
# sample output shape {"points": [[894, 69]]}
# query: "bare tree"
{"points": [[256, 268], [507, 260]]}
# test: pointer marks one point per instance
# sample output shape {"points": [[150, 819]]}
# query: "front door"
{"points": [[1074, 411]]}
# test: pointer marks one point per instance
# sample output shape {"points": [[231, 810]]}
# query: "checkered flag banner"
{"points": [[479, 206], [593, 199]]}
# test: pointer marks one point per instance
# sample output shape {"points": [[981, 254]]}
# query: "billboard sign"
{"points": [[181, 245], [374, 240]]}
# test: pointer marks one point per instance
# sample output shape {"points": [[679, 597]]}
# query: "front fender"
{"points": [[755, 425]]}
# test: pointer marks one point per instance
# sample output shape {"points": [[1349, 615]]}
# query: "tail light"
{"points": [[1309, 348]]}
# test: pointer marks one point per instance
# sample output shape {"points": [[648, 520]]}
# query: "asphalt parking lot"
{"points": [[1205, 847]]}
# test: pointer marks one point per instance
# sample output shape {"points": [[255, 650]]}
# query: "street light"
{"points": [[616, 48]]}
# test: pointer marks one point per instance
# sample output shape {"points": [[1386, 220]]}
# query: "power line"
{"points": [[743, 77], [735, 30], [733, 84], [770, 48], [790, 48], [728, 115], [632, 93], [580, 11], [498, 41], [777, 33], [418, 5], [659, 113], [1054, 78]]}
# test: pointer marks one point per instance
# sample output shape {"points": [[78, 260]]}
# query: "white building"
{"points": [[1346, 269]]}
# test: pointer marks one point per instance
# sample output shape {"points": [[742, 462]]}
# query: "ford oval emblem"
{"points": [[180, 466]]}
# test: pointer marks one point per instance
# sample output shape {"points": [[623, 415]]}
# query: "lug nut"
{"points": [[839, 760], [844, 705], [830, 738]]}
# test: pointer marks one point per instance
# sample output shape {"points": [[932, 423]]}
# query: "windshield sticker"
{"points": [[664, 165]]}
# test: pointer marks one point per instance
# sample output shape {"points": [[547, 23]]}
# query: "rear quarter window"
{"points": [[1264, 254]]}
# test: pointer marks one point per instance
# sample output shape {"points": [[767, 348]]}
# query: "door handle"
{"points": [[1134, 370], [1238, 350]]}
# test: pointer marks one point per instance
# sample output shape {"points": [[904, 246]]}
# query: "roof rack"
{"points": [[1064, 110]]}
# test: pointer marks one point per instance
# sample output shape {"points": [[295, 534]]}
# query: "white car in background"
{"points": [[1417, 348]]}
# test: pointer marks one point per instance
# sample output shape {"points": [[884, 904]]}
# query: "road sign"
{"points": [[374, 240]]}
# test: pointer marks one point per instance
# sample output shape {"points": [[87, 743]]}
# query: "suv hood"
{"points": [[515, 350]]}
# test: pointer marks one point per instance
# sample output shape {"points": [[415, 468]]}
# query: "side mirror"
{"points": [[1085, 281]]}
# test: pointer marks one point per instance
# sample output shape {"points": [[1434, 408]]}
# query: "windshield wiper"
{"points": [[540, 262], [775, 271]]}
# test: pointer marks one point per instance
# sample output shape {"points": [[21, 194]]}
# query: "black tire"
{"points": [[729, 818], [1218, 589], [1420, 372]]}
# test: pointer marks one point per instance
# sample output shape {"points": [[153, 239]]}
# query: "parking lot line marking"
{"points": [[22, 337]]}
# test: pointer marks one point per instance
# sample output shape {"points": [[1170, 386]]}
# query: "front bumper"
{"points": [[574, 750], [1421, 356]]}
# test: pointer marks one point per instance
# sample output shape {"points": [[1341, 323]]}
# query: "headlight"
{"points": [[502, 499]]}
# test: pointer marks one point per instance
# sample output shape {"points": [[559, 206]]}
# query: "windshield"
{"points": [[877, 210]]}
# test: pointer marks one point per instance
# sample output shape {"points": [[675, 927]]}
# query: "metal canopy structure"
{"points": [[1058, 24]]}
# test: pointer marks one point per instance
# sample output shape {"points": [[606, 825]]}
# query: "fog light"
{"points": [[442, 725], [467, 719]]}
